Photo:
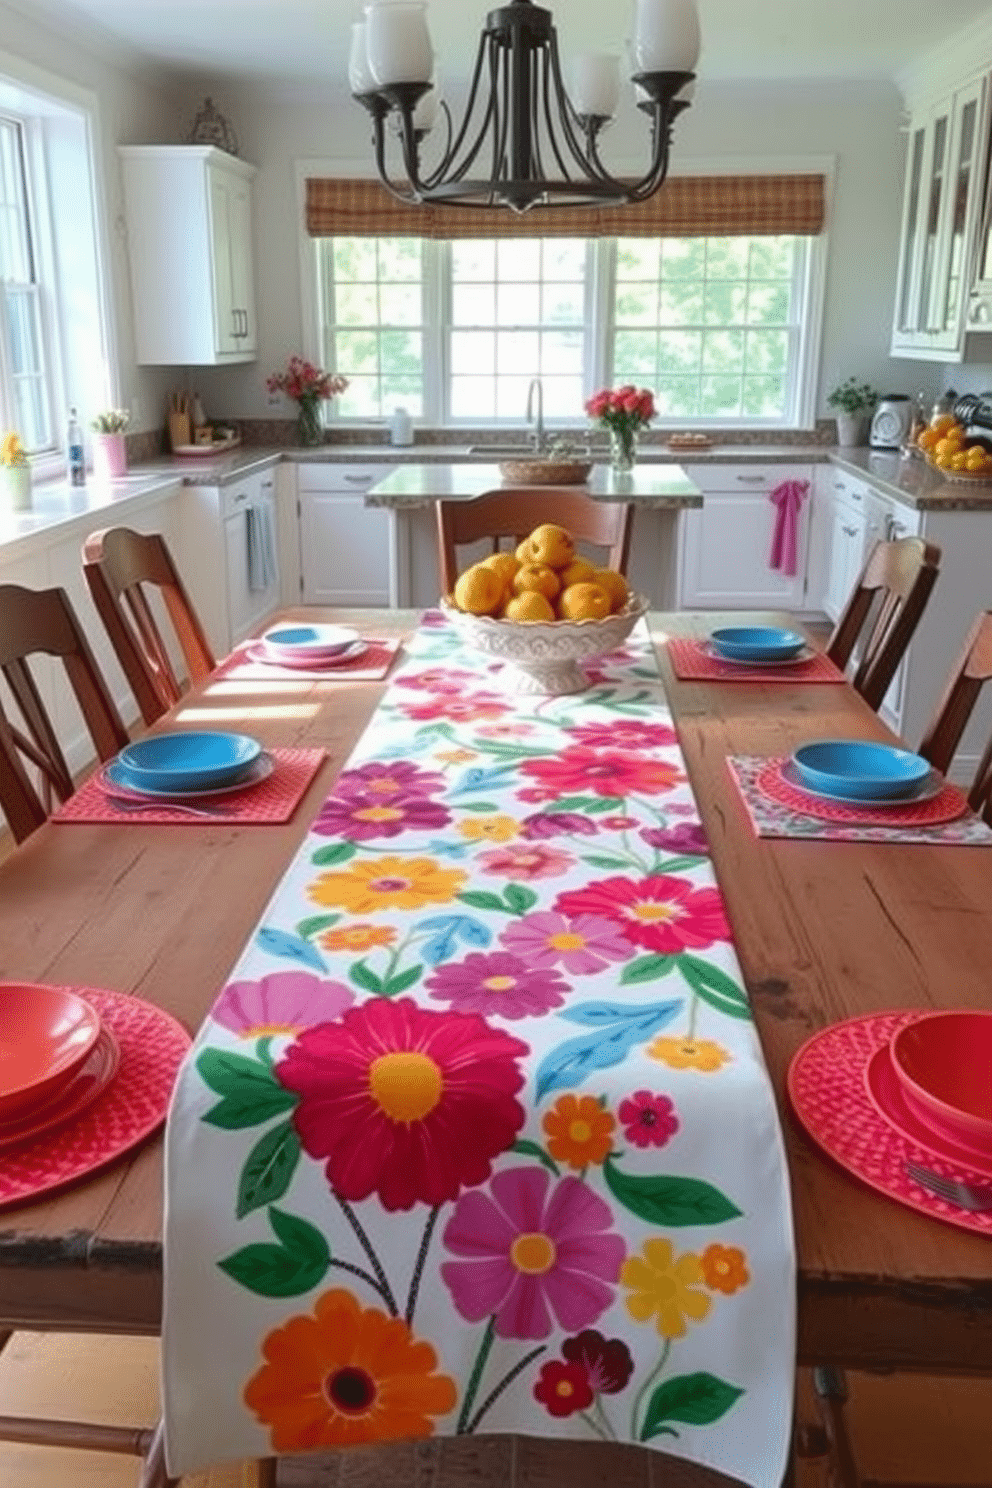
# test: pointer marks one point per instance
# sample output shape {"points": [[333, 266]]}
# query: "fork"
{"points": [[975, 1197], [120, 803]]}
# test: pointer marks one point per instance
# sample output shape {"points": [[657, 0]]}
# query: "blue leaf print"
{"points": [[603, 1014], [449, 930], [449, 849], [477, 779], [292, 947], [569, 1064]]}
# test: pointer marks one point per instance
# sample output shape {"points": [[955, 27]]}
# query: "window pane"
{"points": [[473, 397], [373, 331], [473, 351]]}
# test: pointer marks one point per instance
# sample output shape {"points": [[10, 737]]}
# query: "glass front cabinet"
{"points": [[943, 203]]}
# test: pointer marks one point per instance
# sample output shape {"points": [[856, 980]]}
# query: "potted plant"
{"points": [[15, 473], [109, 449], [853, 401]]}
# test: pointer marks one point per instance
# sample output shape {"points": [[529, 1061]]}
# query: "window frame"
{"points": [[32, 186]]}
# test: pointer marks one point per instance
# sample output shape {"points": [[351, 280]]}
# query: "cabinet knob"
{"points": [[850, 531]]}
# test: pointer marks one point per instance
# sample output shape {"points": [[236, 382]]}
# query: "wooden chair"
{"points": [[512, 514], [972, 671], [883, 611], [117, 562], [34, 622]]}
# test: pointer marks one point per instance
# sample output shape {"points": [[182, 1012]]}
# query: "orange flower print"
{"points": [[689, 1053], [456, 756], [358, 937], [342, 1375], [489, 828], [663, 1286], [579, 1131], [725, 1269], [388, 883]]}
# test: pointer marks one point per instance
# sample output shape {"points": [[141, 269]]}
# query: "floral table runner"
{"points": [[478, 1136]]}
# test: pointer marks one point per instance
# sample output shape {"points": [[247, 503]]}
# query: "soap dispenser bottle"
{"points": [[400, 427]]}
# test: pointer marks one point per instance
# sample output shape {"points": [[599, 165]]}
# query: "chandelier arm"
{"points": [[537, 73], [498, 170], [565, 109], [648, 184], [409, 198], [437, 173], [484, 47], [473, 151]]}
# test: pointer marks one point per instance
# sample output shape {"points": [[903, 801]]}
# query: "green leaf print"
{"points": [[695, 1399], [601, 860], [269, 1168], [517, 901], [251, 1093], [289, 1269], [668, 1200], [531, 1149], [336, 852], [520, 899], [402, 980], [365, 978], [646, 969], [315, 924], [588, 805], [714, 986]]}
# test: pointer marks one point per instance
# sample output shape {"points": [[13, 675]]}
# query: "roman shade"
{"points": [[685, 206]]}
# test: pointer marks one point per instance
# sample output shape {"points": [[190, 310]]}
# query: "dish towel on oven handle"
{"points": [[479, 1135], [788, 497], [261, 547]]}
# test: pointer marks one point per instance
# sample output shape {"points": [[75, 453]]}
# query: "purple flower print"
{"points": [[521, 861], [685, 837], [584, 945], [558, 823], [531, 1258], [363, 818], [497, 983], [283, 1002], [436, 679], [386, 782]]}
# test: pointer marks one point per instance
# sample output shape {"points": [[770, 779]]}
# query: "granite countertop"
{"points": [[912, 481], [417, 484]]}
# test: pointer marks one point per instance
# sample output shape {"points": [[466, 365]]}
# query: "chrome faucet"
{"points": [[535, 384]]}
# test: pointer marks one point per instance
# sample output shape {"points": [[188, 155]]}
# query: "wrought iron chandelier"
{"points": [[527, 121]]}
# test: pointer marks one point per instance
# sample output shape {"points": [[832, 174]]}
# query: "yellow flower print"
{"points": [[661, 1287], [725, 1269], [455, 756], [689, 1053], [388, 883], [489, 828], [357, 937], [579, 1131]]}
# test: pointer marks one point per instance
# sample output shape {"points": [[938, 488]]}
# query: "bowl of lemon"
{"points": [[958, 455], [543, 610]]}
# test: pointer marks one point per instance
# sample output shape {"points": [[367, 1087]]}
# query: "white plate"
{"points": [[113, 782], [311, 640], [806, 654], [301, 663], [931, 786]]}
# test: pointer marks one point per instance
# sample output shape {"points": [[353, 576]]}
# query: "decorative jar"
{"points": [[109, 456]]}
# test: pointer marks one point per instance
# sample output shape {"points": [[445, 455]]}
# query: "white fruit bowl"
{"points": [[543, 655]]}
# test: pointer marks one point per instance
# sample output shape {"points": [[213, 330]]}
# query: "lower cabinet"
{"points": [[350, 553], [726, 544], [225, 533]]}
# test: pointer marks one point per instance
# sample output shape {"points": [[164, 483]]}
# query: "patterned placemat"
{"points": [[134, 1104], [693, 662], [246, 664], [778, 809], [829, 1094], [272, 800]]}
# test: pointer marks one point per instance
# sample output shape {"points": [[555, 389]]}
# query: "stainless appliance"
{"points": [[891, 421]]}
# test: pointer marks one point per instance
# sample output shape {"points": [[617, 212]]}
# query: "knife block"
{"points": [[180, 431]]}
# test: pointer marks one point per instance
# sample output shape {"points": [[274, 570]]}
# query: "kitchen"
{"points": [[849, 129]]}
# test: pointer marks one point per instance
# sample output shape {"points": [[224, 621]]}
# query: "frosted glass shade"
{"points": [[666, 36], [360, 78], [397, 42], [596, 84]]}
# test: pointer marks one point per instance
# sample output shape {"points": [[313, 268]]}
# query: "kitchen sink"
{"points": [[498, 450]]}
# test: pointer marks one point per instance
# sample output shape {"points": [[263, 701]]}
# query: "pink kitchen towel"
{"points": [[788, 496]]}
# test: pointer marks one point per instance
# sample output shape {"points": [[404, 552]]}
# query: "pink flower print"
{"points": [[365, 818], [648, 1120], [531, 1258], [583, 946], [625, 734], [531, 861], [388, 782], [618, 823], [458, 707], [505, 730], [607, 772], [283, 1002], [436, 679], [684, 837], [497, 982], [557, 824], [661, 913]]}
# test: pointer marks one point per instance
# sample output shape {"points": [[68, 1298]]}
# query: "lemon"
{"points": [[584, 602], [505, 564], [579, 571], [528, 606], [615, 585], [537, 577], [552, 546], [479, 590], [523, 553]]}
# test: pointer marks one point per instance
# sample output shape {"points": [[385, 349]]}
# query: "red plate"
{"points": [[944, 1065], [80, 1090], [45, 1034], [885, 1093], [133, 1105], [829, 1094]]}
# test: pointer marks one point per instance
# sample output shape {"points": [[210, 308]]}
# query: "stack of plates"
{"points": [[932, 1082], [55, 1058], [189, 764], [310, 647], [861, 772]]}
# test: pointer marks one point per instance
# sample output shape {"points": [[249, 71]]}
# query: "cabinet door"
{"points": [[242, 265], [725, 554], [963, 202], [347, 549], [225, 314], [847, 537]]}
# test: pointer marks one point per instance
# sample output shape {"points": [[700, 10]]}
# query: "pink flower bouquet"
{"points": [[309, 386], [625, 411]]}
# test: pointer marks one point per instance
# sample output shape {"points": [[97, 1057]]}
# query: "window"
{"points": [[26, 404], [717, 326]]}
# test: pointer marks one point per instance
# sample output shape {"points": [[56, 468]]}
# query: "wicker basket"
{"points": [[545, 472], [965, 477]]}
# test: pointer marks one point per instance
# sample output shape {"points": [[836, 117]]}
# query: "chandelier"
{"points": [[519, 120]]}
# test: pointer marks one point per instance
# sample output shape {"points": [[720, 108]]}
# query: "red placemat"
{"points": [[134, 1104], [828, 1089], [272, 800], [244, 665], [948, 804], [693, 662]]}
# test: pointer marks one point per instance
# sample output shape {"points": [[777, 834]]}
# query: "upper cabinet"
{"points": [[980, 300], [942, 208], [190, 242]]}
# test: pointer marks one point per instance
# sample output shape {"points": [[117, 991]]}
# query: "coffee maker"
{"points": [[891, 421]]}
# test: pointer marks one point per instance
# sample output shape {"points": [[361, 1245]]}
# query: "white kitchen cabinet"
{"points": [[229, 600], [189, 236], [846, 496], [350, 553], [726, 544], [252, 590], [942, 207]]}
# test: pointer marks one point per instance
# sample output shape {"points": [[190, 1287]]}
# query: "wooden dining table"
{"points": [[824, 931]]}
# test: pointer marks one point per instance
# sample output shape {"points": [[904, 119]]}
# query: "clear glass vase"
{"points": [[309, 427], [623, 450]]}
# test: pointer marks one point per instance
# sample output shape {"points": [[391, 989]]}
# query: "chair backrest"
{"points": [[883, 611], [33, 622], [972, 671], [117, 563], [516, 512]]}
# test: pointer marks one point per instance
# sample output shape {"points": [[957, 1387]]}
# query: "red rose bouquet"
{"points": [[308, 386], [625, 411]]}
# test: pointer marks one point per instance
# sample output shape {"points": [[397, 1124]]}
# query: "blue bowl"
{"points": [[756, 643], [188, 761], [860, 770]]}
